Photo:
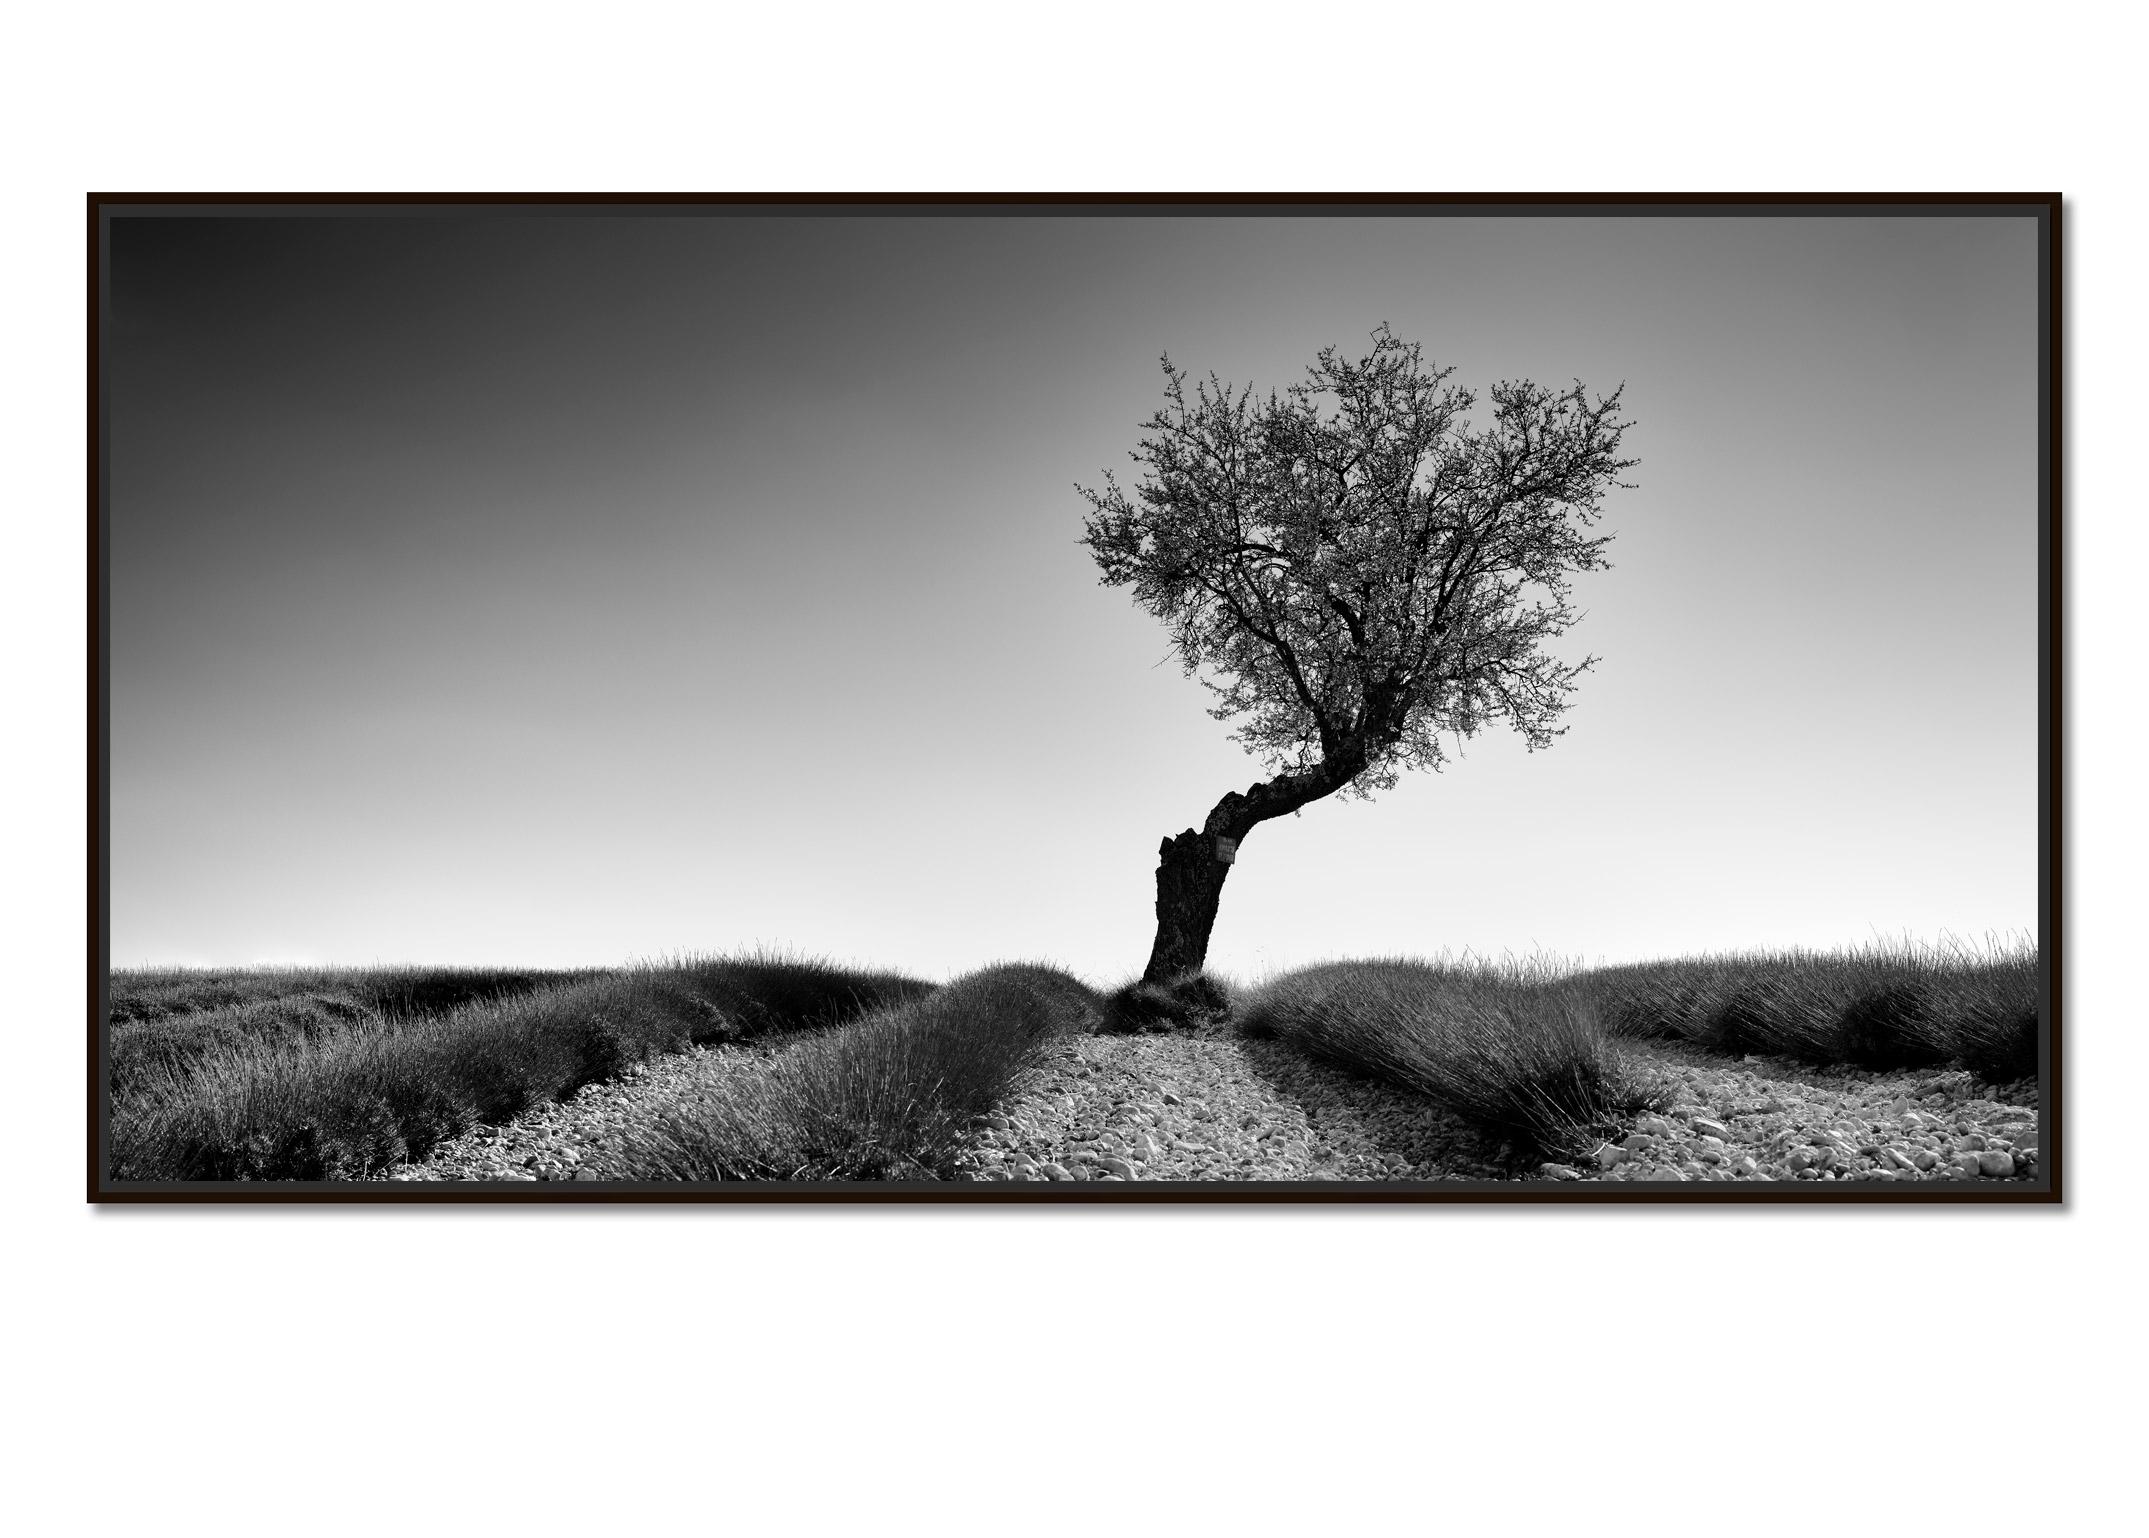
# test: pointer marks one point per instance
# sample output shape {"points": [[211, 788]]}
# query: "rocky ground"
{"points": [[574, 1138], [1208, 1105], [1769, 1119]]}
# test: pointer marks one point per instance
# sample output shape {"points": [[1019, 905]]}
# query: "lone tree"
{"points": [[1355, 569]]}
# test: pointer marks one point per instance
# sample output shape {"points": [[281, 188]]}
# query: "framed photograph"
{"points": [[1075, 698]]}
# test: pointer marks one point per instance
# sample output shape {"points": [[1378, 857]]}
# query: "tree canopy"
{"points": [[1358, 566]]}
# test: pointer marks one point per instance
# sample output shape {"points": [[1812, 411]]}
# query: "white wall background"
{"points": [[1330, 1370]]}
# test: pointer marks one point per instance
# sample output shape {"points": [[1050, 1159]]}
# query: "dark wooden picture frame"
{"points": [[2046, 1188]]}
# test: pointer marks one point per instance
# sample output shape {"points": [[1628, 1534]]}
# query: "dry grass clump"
{"points": [[157, 993], [887, 1099], [350, 1103], [165, 1019], [146, 1053], [1189, 999], [1992, 1007], [1515, 1047], [1881, 1006]]}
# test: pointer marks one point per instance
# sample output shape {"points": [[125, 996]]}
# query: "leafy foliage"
{"points": [[1356, 566]]}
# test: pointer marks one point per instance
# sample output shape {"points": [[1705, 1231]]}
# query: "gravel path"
{"points": [[1769, 1119], [1210, 1105]]}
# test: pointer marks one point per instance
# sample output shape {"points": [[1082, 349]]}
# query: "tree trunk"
{"points": [[1190, 881], [1191, 867]]}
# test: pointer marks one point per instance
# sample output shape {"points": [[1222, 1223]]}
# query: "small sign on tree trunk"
{"points": [[1227, 849]]}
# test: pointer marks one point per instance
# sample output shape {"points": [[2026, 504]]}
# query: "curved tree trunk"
{"points": [[1191, 866]]}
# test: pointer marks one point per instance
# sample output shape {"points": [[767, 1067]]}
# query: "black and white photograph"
{"points": [[1065, 698]]}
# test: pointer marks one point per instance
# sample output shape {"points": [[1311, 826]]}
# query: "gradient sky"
{"points": [[572, 589]]}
